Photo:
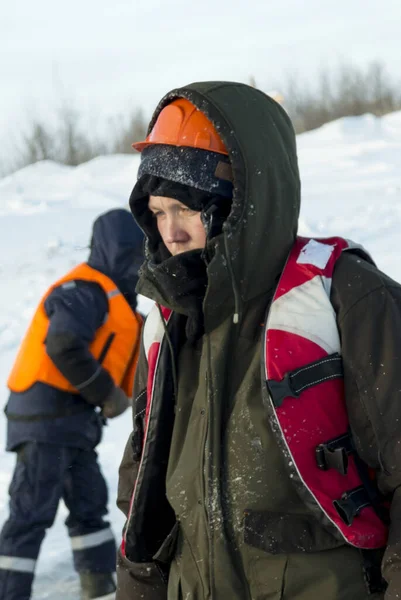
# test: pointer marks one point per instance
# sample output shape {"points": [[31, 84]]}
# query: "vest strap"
{"points": [[334, 453], [372, 560], [295, 382], [377, 500], [351, 503]]}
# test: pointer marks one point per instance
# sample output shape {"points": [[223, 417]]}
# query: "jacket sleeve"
{"points": [[368, 306], [76, 310], [136, 580], [130, 461]]}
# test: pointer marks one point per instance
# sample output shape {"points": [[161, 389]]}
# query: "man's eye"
{"points": [[157, 214], [186, 210]]}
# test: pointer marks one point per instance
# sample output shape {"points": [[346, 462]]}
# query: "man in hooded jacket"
{"points": [[215, 508], [74, 370]]}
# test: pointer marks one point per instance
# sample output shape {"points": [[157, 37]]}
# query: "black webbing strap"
{"points": [[377, 500], [295, 382], [372, 560], [334, 453], [351, 503]]}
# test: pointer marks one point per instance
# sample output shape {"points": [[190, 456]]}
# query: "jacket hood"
{"points": [[117, 248], [250, 253]]}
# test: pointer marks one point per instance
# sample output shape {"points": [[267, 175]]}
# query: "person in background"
{"points": [[74, 370], [265, 453]]}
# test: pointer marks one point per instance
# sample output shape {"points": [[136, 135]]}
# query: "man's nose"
{"points": [[174, 231]]}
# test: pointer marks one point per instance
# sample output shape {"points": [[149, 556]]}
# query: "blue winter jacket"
{"points": [[44, 413]]}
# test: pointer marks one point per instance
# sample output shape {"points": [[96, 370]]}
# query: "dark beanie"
{"points": [[200, 169]]}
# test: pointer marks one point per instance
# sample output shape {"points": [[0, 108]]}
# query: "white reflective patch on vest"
{"points": [[14, 563], [315, 253], [306, 311], [90, 540], [113, 293]]}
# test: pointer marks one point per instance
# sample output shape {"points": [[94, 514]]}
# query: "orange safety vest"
{"points": [[116, 343]]}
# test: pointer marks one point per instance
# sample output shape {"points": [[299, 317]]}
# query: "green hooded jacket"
{"points": [[223, 460]]}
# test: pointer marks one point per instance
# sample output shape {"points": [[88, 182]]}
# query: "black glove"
{"points": [[115, 404]]}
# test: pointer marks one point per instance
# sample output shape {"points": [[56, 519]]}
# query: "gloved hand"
{"points": [[115, 404]]}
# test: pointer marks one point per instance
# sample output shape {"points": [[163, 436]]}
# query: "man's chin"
{"points": [[181, 250]]}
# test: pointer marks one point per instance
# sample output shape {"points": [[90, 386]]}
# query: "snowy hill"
{"points": [[351, 182]]}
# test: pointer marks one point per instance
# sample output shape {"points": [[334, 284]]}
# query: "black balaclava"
{"points": [[201, 180]]}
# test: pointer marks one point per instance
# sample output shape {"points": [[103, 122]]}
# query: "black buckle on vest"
{"points": [[334, 454], [295, 382], [328, 458], [351, 503], [279, 390]]}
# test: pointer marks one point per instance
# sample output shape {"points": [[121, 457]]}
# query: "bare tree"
{"points": [[65, 142], [36, 144], [127, 131], [75, 147]]}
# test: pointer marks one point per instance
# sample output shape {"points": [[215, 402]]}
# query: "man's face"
{"points": [[180, 227]]}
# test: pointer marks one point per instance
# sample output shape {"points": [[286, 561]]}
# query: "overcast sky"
{"points": [[108, 56]]}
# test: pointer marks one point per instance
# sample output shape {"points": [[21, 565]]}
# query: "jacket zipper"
{"points": [[208, 471]]}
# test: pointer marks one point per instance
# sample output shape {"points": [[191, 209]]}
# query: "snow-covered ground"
{"points": [[351, 181]]}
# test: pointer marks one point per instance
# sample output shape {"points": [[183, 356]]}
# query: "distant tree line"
{"points": [[346, 91], [67, 141]]}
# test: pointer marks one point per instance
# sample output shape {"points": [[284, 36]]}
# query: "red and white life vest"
{"points": [[302, 339], [304, 394]]}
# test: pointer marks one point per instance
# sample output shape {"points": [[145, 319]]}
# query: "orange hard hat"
{"points": [[182, 124]]}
